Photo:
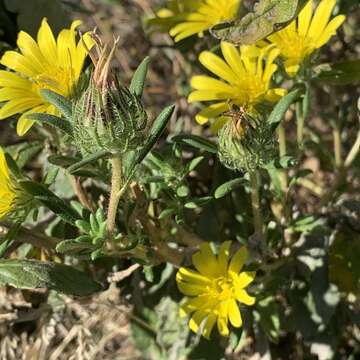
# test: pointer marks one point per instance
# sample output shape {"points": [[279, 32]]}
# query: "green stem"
{"points": [[282, 153], [256, 207], [300, 122], [115, 195], [337, 145]]}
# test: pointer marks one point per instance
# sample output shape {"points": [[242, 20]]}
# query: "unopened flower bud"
{"points": [[108, 116], [246, 142]]}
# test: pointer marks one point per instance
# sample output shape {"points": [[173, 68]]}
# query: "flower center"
{"points": [[295, 46], [58, 80], [222, 288]]}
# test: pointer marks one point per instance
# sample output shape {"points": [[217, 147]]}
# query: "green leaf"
{"points": [[72, 246], [59, 101], [228, 187], [343, 73], [199, 202], [283, 105], [268, 17], [88, 160], [196, 142], [138, 80], [156, 130], [268, 316], [52, 120], [51, 201], [32, 274]]}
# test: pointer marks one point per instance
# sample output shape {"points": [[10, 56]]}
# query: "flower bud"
{"points": [[246, 142], [15, 203], [108, 116]]}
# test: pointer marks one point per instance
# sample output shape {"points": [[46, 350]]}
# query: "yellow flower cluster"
{"points": [[7, 188], [49, 63], [215, 288], [309, 32], [244, 79], [192, 17]]}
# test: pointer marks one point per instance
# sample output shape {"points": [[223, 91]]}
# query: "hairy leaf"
{"points": [[268, 17], [32, 274]]}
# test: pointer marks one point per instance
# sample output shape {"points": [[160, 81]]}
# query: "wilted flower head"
{"points": [[108, 116], [246, 142], [244, 80], [215, 288], [310, 31], [47, 63], [195, 17]]}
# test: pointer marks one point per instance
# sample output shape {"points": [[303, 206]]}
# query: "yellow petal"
{"points": [[19, 63], [238, 260], [209, 325], [233, 58], [30, 49], [222, 320], [209, 83], [305, 18], [245, 278], [330, 30], [47, 43], [243, 297], [4, 170], [196, 320], [24, 124], [192, 276], [206, 95], [321, 17], [12, 80], [18, 106], [234, 314], [205, 261], [211, 112], [190, 289], [217, 66]]}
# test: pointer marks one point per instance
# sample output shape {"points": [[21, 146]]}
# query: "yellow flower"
{"points": [[45, 64], [244, 80], [201, 15], [215, 289], [306, 34], [7, 189]]}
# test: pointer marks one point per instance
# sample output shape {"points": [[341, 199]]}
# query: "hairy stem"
{"points": [[337, 145], [282, 153], [256, 207], [115, 195]]}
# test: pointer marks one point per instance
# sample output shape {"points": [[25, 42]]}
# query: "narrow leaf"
{"points": [[32, 274], [228, 187], [157, 129], [196, 142], [51, 201], [53, 120], [59, 101], [138, 80], [283, 105], [88, 160]]}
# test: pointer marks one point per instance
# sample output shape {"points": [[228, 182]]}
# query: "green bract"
{"points": [[114, 121]]}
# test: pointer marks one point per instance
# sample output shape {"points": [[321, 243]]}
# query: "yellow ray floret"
{"points": [[7, 190], [243, 78], [47, 63], [215, 289], [310, 31], [195, 17]]}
